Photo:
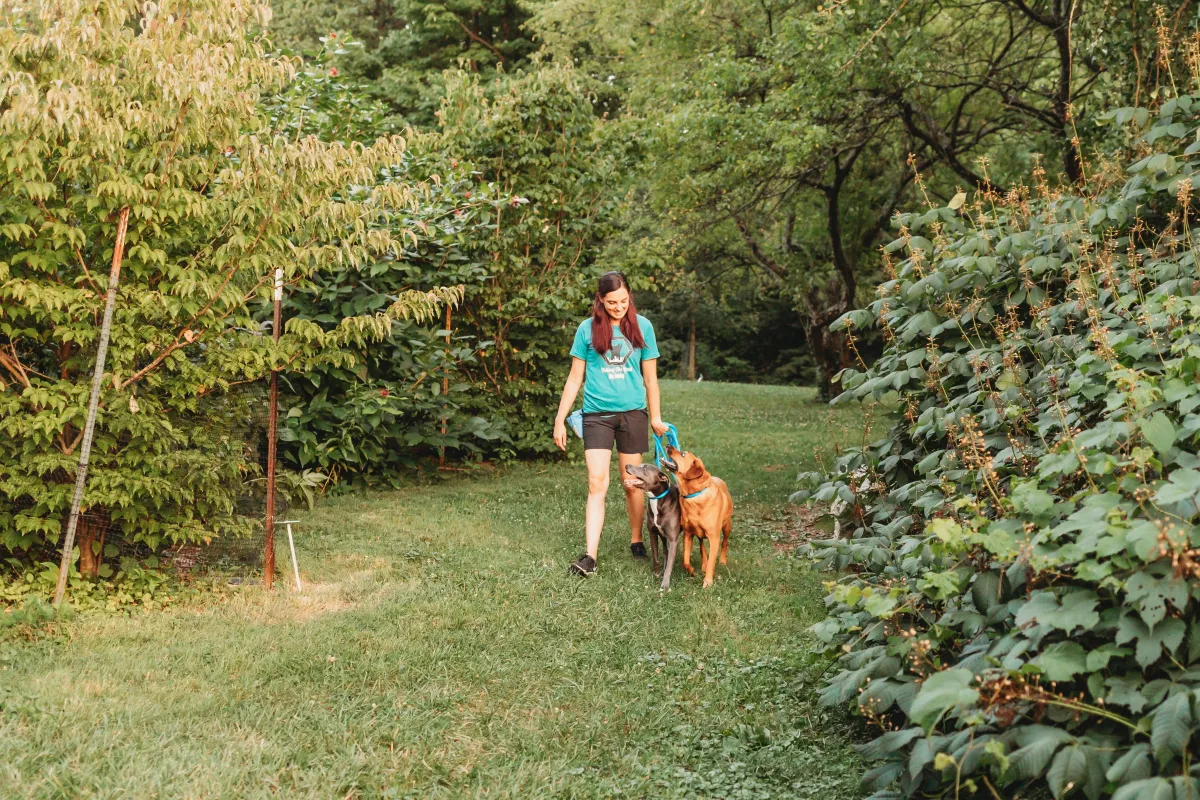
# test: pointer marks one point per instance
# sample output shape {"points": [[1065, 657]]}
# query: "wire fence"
{"points": [[107, 543]]}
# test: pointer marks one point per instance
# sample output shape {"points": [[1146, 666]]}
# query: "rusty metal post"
{"points": [[445, 390], [89, 428], [272, 438]]}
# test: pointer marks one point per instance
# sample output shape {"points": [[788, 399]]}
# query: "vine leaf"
{"points": [[1150, 640], [940, 693], [1159, 432], [1062, 661]]}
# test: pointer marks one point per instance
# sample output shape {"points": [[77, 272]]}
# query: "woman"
{"points": [[614, 359]]}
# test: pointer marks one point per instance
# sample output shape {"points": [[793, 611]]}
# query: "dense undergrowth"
{"points": [[1020, 604]]}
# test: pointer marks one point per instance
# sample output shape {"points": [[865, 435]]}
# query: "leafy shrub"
{"points": [[400, 400], [513, 196], [1022, 603], [533, 141], [152, 113], [396, 401]]}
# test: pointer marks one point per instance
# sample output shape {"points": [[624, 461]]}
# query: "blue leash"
{"points": [[660, 452]]}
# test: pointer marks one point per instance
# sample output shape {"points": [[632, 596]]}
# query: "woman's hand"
{"points": [[560, 434], [658, 426]]}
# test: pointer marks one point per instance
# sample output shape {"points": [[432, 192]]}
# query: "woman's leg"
{"points": [[635, 499], [597, 467]]}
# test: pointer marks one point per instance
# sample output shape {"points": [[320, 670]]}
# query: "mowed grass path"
{"points": [[440, 649]]}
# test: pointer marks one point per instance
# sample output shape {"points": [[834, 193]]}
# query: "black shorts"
{"points": [[629, 429]]}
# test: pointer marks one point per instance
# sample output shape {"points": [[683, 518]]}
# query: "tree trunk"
{"points": [[90, 539], [1072, 163], [691, 361], [830, 349]]}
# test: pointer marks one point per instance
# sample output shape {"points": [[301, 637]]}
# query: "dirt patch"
{"points": [[801, 524]]}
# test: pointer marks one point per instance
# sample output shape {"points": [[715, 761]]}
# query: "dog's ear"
{"points": [[695, 471]]}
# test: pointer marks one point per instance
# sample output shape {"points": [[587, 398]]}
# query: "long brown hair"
{"points": [[602, 334]]}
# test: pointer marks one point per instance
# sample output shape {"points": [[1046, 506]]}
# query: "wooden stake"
{"points": [[445, 390], [85, 448], [272, 442]]}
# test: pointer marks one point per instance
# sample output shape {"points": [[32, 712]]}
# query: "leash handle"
{"points": [[660, 451]]}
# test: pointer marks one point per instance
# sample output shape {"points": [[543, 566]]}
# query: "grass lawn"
{"points": [[440, 649]]}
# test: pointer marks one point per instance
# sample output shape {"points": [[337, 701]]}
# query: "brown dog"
{"points": [[707, 511]]}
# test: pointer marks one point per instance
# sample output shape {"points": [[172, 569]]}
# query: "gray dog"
{"points": [[662, 513]]}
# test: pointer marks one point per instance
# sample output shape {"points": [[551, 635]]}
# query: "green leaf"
{"points": [[1077, 610], [1150, 595], [985, 590], [948, 531], [1062, 661], [1194, 643], [1171, 727], [1038, 745], [1126, 691], [1150, 641], [1148, 789], [941, 585], [887, 744], [1027, 498], [1162, 162], [1182, 487], [1134, 765], [1142, 540], [1098, 658], [1068, 771], [940, 693], [1159, 432], [920, 243]]}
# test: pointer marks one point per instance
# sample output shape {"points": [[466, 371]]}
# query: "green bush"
{"points": [[152, 114], [513, 196], [534, 142], [1020, 609], [401, 401]]}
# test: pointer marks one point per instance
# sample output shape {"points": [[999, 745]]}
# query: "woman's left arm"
{"points": [[653, 399]]}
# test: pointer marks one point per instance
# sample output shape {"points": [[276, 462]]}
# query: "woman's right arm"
{"points": [[570, 392]]}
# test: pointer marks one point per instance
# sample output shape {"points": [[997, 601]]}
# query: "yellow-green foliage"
{"points": [[155, 107]]}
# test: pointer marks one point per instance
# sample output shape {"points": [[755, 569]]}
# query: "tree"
{"points": [[407, 45], [535, 145], [154, 109], [792, 131]]}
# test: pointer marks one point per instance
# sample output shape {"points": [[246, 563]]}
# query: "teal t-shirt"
{"points": [[613, 381]]}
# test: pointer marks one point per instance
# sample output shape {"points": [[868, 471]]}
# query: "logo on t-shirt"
{"points": [[616, 360], [618, 354]]}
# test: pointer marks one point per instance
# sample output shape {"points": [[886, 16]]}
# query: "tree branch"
{"points": [[756, 250], [477, 38]]}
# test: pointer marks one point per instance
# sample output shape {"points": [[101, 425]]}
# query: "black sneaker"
{"points": [[638, 549], [584, 566]]}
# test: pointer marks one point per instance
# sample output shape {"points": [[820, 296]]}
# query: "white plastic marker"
{"points": [[278, 284], [292, 547]]}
